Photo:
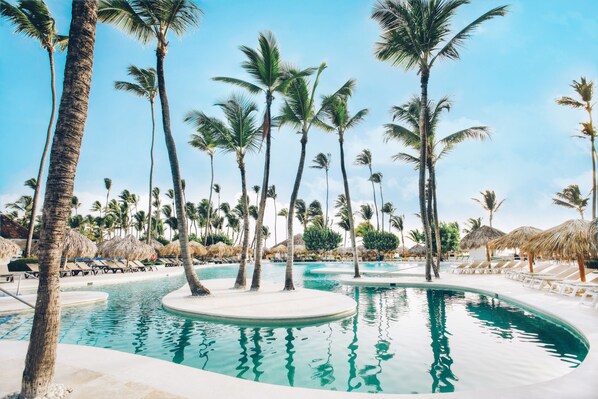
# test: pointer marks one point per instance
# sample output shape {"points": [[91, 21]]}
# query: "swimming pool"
{"points": [[402, 340]]}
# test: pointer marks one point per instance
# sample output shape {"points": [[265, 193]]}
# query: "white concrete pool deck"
{"points": [[102, 373], [9, 305], [269, 305]]}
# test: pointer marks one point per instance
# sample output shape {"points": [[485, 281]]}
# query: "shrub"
{"points": [[20, 265], [380, 241], [321, 239], [214, 239]]}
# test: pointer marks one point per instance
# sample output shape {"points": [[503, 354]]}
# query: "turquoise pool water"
{"points": [[401, 340]]}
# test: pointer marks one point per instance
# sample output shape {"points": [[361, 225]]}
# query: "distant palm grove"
{"points": [[270, 94]]}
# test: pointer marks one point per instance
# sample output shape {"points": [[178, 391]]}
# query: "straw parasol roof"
{"points": [[157, 245], [129, 248], [237, 250], [297, 240], [480, 237], [219, 249], [174, 248], [417, 249], [593, 231], [105, 244], [76, 245], [8, 249], [279, 249], [515, 239], [300, 249]]}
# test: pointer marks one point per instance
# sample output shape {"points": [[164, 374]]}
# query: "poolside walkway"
{"points": [[9, 305], [268, 306]]}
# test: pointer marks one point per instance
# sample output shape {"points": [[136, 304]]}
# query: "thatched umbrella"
{"points": [[129, 248], [157, 245], [300, 250], [297, 240], [174, 249], [417, 249], [105, 245], [480, 237], [570, 241], [279, 249], [76, 245], [515, 239], [219, 249], [196, 248], [8, 249]]}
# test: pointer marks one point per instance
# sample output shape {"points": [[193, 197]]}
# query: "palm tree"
{"points": [[145, 85], [376, 177], [585, 90], [322, 162], [398, 222], [75, 204], [571, 198], [339, 119], [364, 158], [472, 224], [33, 19], [147, 21], [302, 212], [489, 203], [415, 33], [204, 141], [264, 65], [239, 135], [389, 209], [284, 212], [108, 186], [256, 190], [300, 112], [271, 193], [366, 212], [40, 360], [417, 236], [437, 148]]}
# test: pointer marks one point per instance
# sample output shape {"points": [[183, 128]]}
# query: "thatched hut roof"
{"points": [[300, 249], [417, 249], [8, 249], [279, 249], [219, 249], [129, 248], [106, 244], [157, 245], [571, 240], [76, 245], [515, 239], [236, 250], [480, 237], [297, 240], [174, 248]]}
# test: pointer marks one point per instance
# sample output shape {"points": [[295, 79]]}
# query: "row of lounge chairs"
{"points": [[478, 267], [92, 267]]}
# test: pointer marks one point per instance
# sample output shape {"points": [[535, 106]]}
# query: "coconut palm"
{"points": [[571, 198], [338, 118], [33, 19], [204, 141], [415, 34], [153, 20], [271, 193], [40, 360], [364, 158], [417, 236], [366, 212], [239, 134], [437, 148], [302, 212], [398, 222], [472, 224], [145, 85], [489, 203], [284, 212], [389, 209], [299, 111], [585, 91], [256, 190], [322, 162], [376, 177], [75, 204]]}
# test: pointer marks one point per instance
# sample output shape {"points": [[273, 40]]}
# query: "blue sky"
{"points": [[508, 77]]}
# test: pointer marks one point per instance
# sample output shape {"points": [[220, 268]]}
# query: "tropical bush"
{"points": [[319, 238], [380, 241], [20, 265], [213, 239], [449, 237]]}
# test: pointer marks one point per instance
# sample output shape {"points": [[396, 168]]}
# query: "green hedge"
{"points": [[321, 239], [380, 241], [20, 265]]}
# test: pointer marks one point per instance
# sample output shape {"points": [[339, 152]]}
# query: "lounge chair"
{"points": [[570, 274], [467, 268], [591, 294], [85, 269], [545, 269], [497, 268], [574, 288], [5, 274], [113, 266], [33, 270], [459, 267]]}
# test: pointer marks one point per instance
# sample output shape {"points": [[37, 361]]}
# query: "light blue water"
{"points": [[400, 341]]}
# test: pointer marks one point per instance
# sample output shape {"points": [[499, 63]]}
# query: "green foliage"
{"points": [[321, 239], [380, 241], [449, 237], [363, 228], [213, 239]]}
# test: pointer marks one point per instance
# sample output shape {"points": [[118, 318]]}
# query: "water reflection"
{"points": [[351, 386], [440, 370], [183, 342], [289, 338]]}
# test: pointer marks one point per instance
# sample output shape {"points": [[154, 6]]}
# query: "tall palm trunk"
{"points": [[257, 270], [382, 205], [422, 171], [341, 141], [593, 174], [433, 214], [375, 203], [205, 238], [241, 280], [64, 157], [275, 227], [288, 279], [327, 190], [151, 176], [42, 163], [194, 284]]}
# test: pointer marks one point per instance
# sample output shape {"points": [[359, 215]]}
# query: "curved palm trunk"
{"points": [[341, 141], [382, 206], [288, 280], [194, 284], [422, 172], [257, 270], [42, 163], [327, 190], [375, 203], [64, 157], [433, 211], [151, 176], [205, 238], [241, 280]]}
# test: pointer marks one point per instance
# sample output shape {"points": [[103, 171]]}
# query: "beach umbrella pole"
{"points": [[530, 259], [582, 269]]}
